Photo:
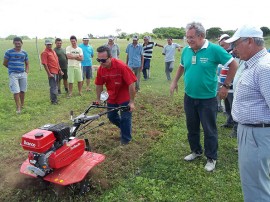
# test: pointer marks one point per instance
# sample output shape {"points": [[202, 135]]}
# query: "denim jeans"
{"points": [[228, 108], [202, 111], [122, 121], [146, 68], [53, 82]]}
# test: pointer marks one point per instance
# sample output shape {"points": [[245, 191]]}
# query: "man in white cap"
{"points": [[251, 109], [88, 54], [135, 59], [115, 51], [50, 62], [147, 54]]}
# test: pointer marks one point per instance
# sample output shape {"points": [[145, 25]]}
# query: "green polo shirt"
{"points": [[200, 76]]}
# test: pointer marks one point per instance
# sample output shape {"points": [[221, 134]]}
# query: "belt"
{"points": [[259, 125]]}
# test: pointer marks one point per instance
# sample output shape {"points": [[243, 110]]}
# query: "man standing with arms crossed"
{"points": [[119, 81], [16, 60], [199, 63], [75, 56], [251, 110]]}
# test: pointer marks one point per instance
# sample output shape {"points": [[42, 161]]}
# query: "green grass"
{"points": [[151, 168]]}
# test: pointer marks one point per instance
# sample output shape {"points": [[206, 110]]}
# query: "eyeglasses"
{"points": [[191, 38], [234, 45], [102, 60]]}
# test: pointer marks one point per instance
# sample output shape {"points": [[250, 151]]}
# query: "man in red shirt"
{"points": [[50, 62], [120, 84]]}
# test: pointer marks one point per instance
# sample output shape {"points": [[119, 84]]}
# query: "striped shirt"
{"points": [[148, 50], [251, 104], [16, 60]]}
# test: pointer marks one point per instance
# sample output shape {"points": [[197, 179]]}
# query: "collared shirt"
{"points": [[200, 69], [117, 79], [115, 51], [49, 58], [134, 55], [169, 51], [252, 94]]}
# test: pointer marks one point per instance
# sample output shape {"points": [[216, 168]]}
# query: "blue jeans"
{"points": [[146, 68], [122, 121], [202, 111], [53, 82]]}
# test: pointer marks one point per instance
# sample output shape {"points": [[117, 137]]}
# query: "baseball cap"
{"points": [[110, 38], [48, 41], [246, 31], [146, 37], [223, 36], [135, 37], [86, 38]]}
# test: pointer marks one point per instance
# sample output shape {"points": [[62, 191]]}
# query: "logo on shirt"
{"points": [[204, 60]]}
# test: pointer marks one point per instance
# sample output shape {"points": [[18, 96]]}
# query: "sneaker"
{"points": [[192, 156], [66, 89], [210, 165], [59, 91]]}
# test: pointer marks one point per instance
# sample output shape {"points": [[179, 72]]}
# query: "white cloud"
{"points": [[64, 18]]}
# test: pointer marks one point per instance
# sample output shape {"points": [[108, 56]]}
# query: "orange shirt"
{"points": [[49, 58]]}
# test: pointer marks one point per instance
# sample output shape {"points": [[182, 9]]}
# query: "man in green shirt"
{"points": [[62, 58], [199, 63]]}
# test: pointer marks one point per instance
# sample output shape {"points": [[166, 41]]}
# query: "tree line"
{"points": [[166, 32]]}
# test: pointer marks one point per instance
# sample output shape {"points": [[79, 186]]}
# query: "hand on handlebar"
{"points": [[96, 103]]}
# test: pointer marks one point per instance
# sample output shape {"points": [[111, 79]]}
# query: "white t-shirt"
{"points": [[74, 52], [169, 51]]}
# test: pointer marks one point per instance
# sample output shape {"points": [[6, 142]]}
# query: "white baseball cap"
{"points": [[223, 36], [86, 38], [246, 31]]}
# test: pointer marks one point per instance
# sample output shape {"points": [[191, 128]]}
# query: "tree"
{"points": [[11, 37], [118, 31], [213, 33], [265, 31], [173, 32]]}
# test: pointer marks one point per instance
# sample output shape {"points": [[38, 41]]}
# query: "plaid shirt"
{"points": [[251, 104]]}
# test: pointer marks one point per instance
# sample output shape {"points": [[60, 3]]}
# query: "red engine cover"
{"points": [[66, 154], [38, 140]]}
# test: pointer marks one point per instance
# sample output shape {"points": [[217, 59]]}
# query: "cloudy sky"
{"points": [[62, 18]]}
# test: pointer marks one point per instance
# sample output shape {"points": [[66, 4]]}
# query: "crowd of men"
{"points": [[242, 82]]}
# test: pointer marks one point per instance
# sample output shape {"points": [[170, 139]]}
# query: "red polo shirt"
{"points": [[49, 57], [117, 79]]}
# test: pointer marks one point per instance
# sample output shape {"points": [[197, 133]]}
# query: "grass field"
{"points": [[150, 168]]}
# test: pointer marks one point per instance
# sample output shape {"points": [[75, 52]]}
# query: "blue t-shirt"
{"points": [[16, 60], [88, 53]]}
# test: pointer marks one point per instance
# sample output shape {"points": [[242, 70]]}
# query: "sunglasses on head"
{"points": [[102, 60]]}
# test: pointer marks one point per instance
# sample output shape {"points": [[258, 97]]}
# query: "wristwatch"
{"points": [[226, 85]]}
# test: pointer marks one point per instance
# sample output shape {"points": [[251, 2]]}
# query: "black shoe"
{"points": [[59, 91], [66, 89], [54, 103], [226, 125]]}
